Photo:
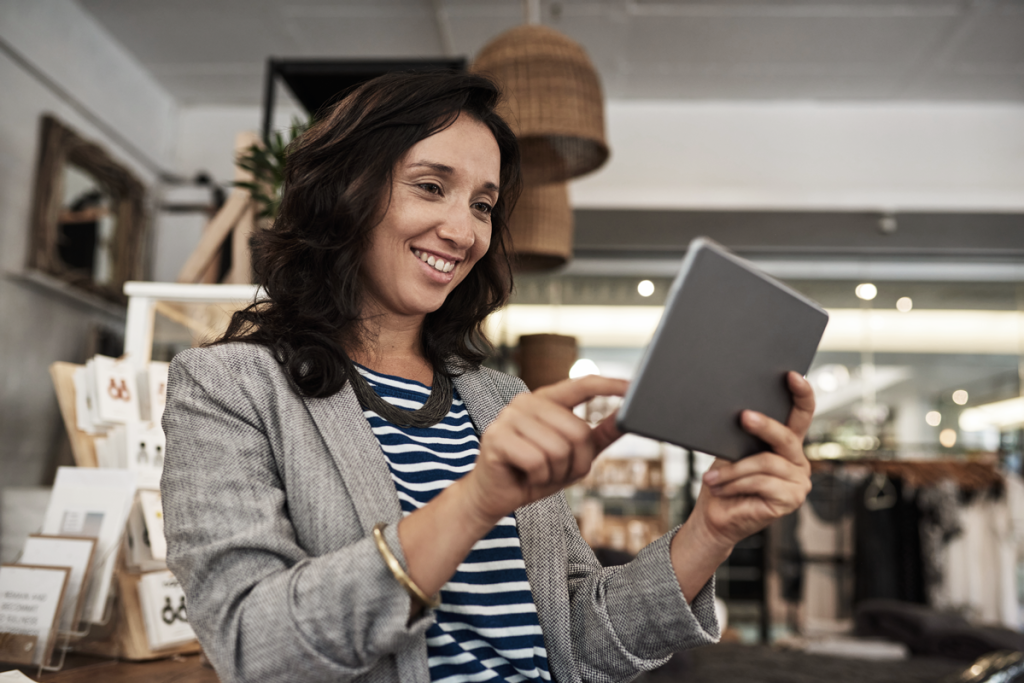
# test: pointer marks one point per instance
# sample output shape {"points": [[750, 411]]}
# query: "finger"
{"points": [[524, 456], [572, 392], [789, 495], [570, 427], [803, 404], [763, 463], [778, 436], [553, 444]]}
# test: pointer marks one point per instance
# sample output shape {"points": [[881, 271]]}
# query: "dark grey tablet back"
{"points": [[727, 338]]}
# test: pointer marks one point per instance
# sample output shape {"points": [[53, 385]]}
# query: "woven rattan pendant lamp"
{"points": [[553, 101], [541, 228]]}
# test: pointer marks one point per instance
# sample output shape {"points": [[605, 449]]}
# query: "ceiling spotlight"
{"points": [[866, 291], [960, 397], [887, 223], [904, 304], [947, 437], [933, 418], [646, 288]]}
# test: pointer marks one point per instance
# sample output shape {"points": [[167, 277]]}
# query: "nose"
{"points": [[458, 227]]}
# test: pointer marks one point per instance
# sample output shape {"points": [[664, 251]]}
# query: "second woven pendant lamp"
{"points": [[541, 228], [553, 101]]}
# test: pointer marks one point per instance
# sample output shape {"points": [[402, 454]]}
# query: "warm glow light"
{"points": [[1003, 415], [947, 437], [904, 304], [960, 397], [866, 291], [583, 367], [933, 418], [924, 331], [920, 331], [646, 288]]}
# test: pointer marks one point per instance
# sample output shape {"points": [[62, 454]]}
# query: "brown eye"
{"points": [[432, 188]]}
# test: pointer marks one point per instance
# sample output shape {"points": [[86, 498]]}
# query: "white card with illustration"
{"points": [[163, 610], [92, 503]]}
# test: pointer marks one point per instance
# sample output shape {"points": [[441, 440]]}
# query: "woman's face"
{"points": [[438, 223]]}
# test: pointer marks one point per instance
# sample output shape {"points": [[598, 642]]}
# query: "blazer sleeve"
{"points": [[262, 608], [628, 619]]}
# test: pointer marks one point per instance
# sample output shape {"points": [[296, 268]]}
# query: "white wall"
{"points": [[63, 42], [206, 135], [205, 142], [810, 156]]}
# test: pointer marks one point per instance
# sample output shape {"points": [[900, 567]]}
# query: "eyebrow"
{"points": [[445, 170]]}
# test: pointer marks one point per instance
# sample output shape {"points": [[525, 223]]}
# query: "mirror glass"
{"points": [[86, 226]]}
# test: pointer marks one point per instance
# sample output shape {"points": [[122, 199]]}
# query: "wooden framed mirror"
{"points": [[88, 214]]}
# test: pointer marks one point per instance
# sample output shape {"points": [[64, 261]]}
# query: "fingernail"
{"points": [[711, 477], [754, 419]]}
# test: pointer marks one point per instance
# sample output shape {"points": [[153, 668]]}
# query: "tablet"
{"points": [[727, 338]]}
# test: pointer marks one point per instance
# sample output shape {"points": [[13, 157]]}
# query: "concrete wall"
{"points": [[54, 58]]}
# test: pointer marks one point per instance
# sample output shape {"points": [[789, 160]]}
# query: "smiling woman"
{"points": [[436, 227], [348, 494]]}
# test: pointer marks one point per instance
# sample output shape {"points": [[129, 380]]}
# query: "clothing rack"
{"points": [[970, 473], [977, 473]]}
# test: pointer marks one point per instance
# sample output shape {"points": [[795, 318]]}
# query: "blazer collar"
{"points": [[357, 453], [480, 396], [358, 456]]}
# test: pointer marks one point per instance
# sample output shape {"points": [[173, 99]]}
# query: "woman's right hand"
{"points": [[537, 446]]}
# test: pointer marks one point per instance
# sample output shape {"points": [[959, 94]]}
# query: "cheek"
{"points": [[482, 244]]}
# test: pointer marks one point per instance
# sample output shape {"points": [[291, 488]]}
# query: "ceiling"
{"points": [[215, 51]]}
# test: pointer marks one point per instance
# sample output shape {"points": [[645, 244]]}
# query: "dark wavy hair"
{"points": [[338, 177]]}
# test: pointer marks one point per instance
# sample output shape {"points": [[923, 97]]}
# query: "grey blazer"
{"points": [[269, 500]]}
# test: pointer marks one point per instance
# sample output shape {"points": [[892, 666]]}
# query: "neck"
{"points": [[393, 345]]}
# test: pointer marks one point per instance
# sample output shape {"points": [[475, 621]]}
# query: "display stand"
{"points": [[122, 634]]}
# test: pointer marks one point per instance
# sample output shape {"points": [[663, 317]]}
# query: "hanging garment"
{"points": [[887, 557], [940, 523], [825, 535], [981, 563]]}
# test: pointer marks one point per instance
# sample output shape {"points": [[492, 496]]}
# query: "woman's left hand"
{"points": [[741, 498]]}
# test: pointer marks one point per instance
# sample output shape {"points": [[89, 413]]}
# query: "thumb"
{"points": [[605, 433]]}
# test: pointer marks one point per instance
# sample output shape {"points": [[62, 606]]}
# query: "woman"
{"points": [[313, 525]]}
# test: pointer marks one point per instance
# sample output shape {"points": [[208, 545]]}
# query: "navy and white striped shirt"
{"points": [[486, 628]]}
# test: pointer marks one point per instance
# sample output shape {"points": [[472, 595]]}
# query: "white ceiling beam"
{"points": [[886, 157]]}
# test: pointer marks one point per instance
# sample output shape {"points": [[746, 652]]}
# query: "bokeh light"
{"points": [[583, 367], [866, 291]]}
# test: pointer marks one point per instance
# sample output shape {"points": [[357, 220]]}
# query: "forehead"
{"points": [[467, 146]]}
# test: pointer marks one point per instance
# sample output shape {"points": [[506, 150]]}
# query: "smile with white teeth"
{"points": [[434, 262]]}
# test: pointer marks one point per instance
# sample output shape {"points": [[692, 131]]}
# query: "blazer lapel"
{"points": [[480, 396], [543, 545], [357, 453]]}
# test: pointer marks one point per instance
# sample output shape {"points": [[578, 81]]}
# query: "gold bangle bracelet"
{"points": [[396, 568]]}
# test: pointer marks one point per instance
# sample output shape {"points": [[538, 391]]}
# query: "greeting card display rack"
{"points": [[122, 632]]}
